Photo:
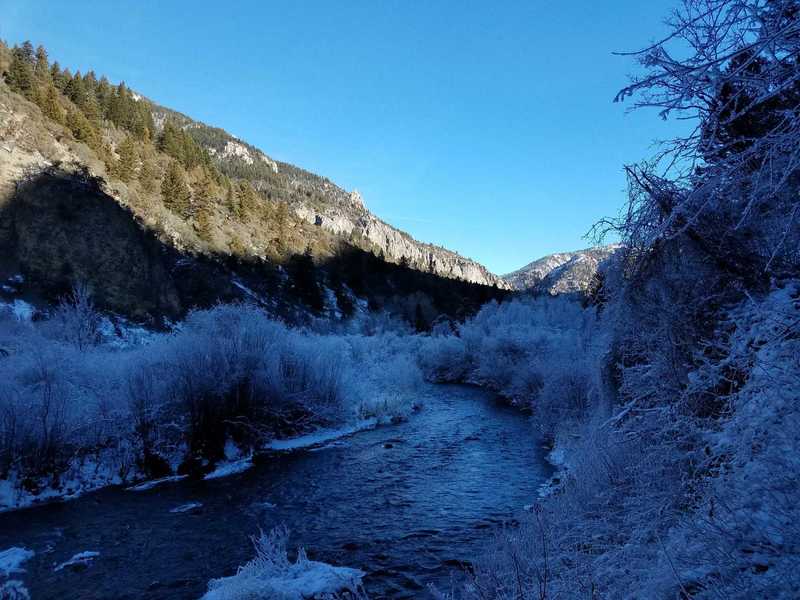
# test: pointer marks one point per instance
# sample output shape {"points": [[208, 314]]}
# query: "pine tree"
{"points": [[231, 202], [20, 74], [175, 191], [204, 201], [126, 165], [58, 78], [41, 69], [148, 176], [82, 129], [27, 52], [248, 200], [51, 107], [282, 226], [304, 280]]}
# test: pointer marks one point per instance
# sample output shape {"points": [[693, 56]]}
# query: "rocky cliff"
{"points": [[319, 202], [562, 273]]}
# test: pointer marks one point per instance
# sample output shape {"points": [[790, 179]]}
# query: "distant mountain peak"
{"points": [[562, 272]]}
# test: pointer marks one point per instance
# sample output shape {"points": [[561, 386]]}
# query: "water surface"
{"points": [[406, 503]]}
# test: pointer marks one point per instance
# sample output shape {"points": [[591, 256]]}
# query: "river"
{"points": [[406, 503]]}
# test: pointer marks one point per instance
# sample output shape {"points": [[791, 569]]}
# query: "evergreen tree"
{"points": [[57, 77], [76, 91], [174, 190], [148, 176], [27, 52], [51, 107], [231, 202], [41, 69], [82, 129], [304, 284], [20, 73], [126, 165], [248, 200], [204, 201], [282, 226], [420, 323]]}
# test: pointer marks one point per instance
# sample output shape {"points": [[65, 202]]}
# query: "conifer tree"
{"points": [[50, 105], [57, 77], [27, 52], [204, 201], [82, 129], [176, 194], [282, 225], [126, 164], [20, 73], [231, 202], [248, 200], [41, 69], [148, 176]]}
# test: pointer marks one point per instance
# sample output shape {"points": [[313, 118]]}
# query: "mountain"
{"points": [[159, 213], [562, 273], [319, 202]]}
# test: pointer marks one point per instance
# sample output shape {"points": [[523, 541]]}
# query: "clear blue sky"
{"points": [[488, 128]]}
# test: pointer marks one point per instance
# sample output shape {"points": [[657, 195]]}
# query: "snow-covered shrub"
{"points": [[76, 320], [444, 358], [226, 373], [538, 352], [271, 575]]}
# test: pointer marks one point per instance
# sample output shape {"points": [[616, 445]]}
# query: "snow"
{"points": [[21, 310], [14, 589], [306, 579], [189, 506], [148, 485], [321, 436], [227, 468], [272, 576], [11, 560], [80, 559]]}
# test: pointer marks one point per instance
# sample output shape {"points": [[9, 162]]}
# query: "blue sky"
{"points": [[488, 128]]}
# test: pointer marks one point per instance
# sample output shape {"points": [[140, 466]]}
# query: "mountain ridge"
{"points": [[562, 272]]}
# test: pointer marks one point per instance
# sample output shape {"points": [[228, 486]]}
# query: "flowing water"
{"points": [[408, 503]]}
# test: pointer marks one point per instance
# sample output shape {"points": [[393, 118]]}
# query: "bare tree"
{"points": [[731, 67]]}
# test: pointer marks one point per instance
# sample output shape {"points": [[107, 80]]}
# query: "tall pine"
{"points": [[175, 191]]}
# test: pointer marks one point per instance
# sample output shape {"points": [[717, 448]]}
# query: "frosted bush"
{"points": [[271, 575], [226, 372]]}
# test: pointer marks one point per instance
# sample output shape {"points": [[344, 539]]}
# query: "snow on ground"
{"points": [[81, 559], [11, 560], [226, 468], [188, 507], [321, 436], [148, 485], [81, 477], [271, 575]]}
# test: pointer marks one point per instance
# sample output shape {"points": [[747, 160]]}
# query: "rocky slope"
{"points": [[562, 273], [319, 202]]}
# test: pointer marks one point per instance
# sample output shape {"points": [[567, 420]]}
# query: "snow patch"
{"points": [[11, 560], [189, 506], [81, 559], [148, 485], [271, 575], [321, 436], [226, 468]]}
